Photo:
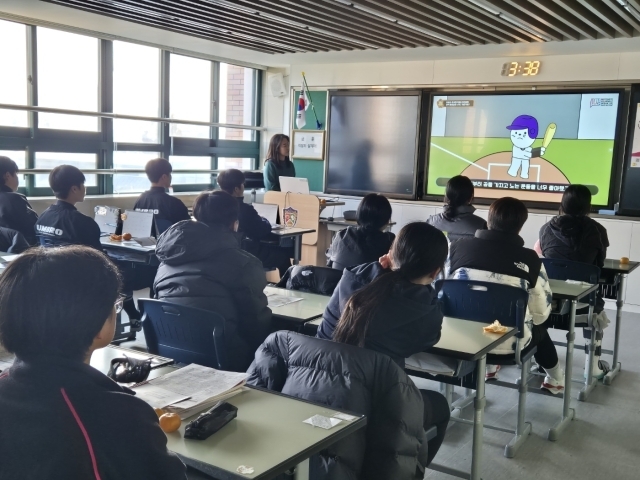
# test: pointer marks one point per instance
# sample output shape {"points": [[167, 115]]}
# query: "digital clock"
{"points": [[530, 68]]}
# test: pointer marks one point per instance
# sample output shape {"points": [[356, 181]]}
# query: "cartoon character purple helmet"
{"points": [[525, 121]]}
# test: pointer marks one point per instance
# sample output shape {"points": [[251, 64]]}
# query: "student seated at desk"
{"points": [[278, 164], [368, 241], [156, 200], [62, 223], [390, 306], [457, 218], [498, 255], [15, 211], [60, 417], [573, 235], [203, 266], [255, 229]]}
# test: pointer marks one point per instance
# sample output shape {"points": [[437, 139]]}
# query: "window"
{"points": [[131, 182], [84, 161], [237, 106], [67, 78], [136, 91], [13, 79], [190, 163], [190, 95], [239, 163]]}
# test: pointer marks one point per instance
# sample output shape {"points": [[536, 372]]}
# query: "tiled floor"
{"points": [[603, 442]]}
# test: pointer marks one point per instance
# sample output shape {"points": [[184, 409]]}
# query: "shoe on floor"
{"points": [[552, 385], [600, 369], [491, 372]]}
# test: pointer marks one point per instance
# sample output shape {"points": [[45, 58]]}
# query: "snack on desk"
{"points": [[126, 236], [115, 238], [624, 261], [495, 327]]}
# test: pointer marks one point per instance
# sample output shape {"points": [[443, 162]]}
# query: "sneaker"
{"points": [[552, 385], [600, 369], [491, 372]]}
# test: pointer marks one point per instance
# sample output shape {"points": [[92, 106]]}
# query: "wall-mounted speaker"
{"points": [[277, 85]]}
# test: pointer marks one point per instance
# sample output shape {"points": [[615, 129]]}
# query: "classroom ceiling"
{"points": [[300, 26]]}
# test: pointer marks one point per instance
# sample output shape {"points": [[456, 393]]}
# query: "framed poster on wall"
{"points": [[308, 144]]}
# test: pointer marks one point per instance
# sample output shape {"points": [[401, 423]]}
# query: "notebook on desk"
{"points": [[107, 219], [294, 185], [138, 224], [268, 211]]}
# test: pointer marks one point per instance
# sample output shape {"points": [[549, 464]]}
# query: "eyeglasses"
{"points": [[119, 303]]}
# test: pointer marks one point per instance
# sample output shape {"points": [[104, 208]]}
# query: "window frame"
{"points": [[34, 139]]}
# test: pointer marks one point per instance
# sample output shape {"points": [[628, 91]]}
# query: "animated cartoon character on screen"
{"points": [[524, 131]]}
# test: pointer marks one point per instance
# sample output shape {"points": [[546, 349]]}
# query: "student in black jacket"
{"points": [[62, 223], [391, 307], [457, 218], [15, 211], [367, 242], [573, 235], [60, 417], [255, 229], [167, 209]]}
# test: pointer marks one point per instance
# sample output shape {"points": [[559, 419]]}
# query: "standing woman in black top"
{"points": [[458, 219], [278, 164], [367, 242]]}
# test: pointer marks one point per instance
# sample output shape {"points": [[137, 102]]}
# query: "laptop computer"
{"points": [[107, 219], [138, 224], [268, 211], [294, 185]]}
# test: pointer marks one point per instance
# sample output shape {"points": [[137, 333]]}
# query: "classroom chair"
{"points": [[312, 279], [559, 269], [49, 241], [485, 302], [186, 334]]}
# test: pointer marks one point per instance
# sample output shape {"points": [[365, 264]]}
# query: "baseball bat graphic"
{"points": [[548, 135]]}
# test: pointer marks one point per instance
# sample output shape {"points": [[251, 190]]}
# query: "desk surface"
{"points": [[126, 245], [292, 231], [571, 291], [267, 435], [614, 265], [342, 221], [311, 306], [465, 339]]}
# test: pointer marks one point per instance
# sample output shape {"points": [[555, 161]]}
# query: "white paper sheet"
{"points": [[276, 300], [157, 397]]}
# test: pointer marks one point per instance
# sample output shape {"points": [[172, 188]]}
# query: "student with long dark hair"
{"points": [[368, 241], [573, 235], [391, 307], [60, 417], [278, 164], [457, 218]]}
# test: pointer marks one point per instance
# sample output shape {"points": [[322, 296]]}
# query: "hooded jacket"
{"points": [[63, 419], [579, 239], [16, 213], [204, 267], [407, 322], [358, 245], [463, 225], [393, 444]]}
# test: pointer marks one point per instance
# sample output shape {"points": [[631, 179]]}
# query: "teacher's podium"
{"points": [[314, 245]]}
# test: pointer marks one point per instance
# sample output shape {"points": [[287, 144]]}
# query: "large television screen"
{"points": [[526, 145], [372, 143]]}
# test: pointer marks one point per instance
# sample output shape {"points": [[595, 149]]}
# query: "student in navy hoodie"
{"points": [[60, 417]]}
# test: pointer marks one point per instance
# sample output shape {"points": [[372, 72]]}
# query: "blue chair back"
{"points": [[484, 302], [161, 225], [49, 241], [185, 334], [560, 269]]}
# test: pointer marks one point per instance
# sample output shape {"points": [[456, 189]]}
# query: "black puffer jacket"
{"points": [[463, 225], [358, 245], [393, 444], [579, 239], [409, 321], [204, 267]]}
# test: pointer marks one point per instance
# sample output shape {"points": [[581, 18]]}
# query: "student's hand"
{"points": [[385, 261]]}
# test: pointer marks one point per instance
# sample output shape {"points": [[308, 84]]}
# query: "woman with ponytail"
{"points": [[390, 306], [457, 218]]}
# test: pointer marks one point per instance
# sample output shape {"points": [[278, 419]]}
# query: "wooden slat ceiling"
{"points": [[294, 26]]}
